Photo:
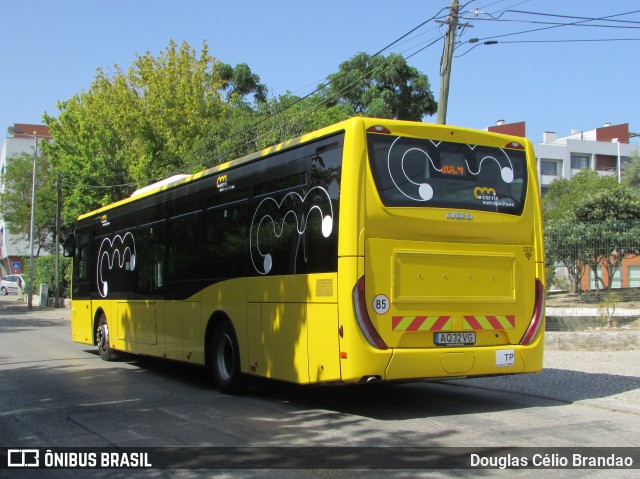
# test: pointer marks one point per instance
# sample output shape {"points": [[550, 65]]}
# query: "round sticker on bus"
{"points": [[381, 304]]}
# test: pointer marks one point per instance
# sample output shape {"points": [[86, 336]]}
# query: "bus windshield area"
{"points": [[416, 172]]}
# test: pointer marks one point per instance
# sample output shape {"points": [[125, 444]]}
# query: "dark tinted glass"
{"points": [[423, 173]]}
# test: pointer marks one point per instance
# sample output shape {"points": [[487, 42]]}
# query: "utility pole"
{"points": [[445, 62], [57, 260]]}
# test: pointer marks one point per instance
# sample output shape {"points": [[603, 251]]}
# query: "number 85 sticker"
{"points": [[381, 304]]}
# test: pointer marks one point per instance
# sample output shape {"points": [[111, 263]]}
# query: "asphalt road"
{"points": [[55, 393]]}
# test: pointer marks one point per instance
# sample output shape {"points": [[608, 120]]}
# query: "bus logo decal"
{"points": [[423, 191], [222, 183], [480, 191], [276, 213], [115, 253], [222, 179]]}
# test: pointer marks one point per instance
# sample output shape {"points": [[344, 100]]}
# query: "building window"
{"points": [[634, 276], [548, 167], [580, 162], [616, 281]]}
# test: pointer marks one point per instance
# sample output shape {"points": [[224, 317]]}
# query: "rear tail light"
{"points": [[538, 316], [378, 129], [362, 316]]}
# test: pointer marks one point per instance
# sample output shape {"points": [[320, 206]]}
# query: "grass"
{"points": [[629, 298]]}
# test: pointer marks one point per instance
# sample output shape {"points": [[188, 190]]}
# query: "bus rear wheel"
{"points": [[102, 340], [225, 360]]}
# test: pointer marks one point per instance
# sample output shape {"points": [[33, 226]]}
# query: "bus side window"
{"points": [[82, 257], [150, 261], [185, 248], [226, 241]]}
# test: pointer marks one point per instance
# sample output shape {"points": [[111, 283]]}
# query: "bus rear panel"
{"points": [[450, 272]]}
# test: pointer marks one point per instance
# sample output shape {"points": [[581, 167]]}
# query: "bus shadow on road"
{"points": [[420, 399]]}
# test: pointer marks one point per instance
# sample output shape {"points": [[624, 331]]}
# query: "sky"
{"points": [[51, 51]]}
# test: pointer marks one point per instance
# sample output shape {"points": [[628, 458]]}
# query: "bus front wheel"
{"points": [[102, 339], [225, 360]]}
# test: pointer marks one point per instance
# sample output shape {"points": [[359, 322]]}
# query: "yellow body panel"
{"points": [[82, 327], [293, 327]]}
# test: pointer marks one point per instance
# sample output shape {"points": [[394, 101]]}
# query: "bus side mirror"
{"points": [[69, 247]]}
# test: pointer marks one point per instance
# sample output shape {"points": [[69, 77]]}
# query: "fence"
{"points": [[593, 274]]}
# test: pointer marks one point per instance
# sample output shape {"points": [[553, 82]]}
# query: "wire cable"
{"points": [[557, 26], [224, 154]]}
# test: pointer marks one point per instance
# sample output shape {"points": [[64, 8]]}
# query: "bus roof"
{"points": [[177, 180]]}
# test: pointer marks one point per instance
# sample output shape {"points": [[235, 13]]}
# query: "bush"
{"points": [[44, 272], [607, 307]]}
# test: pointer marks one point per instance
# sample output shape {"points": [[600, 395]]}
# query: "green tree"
{"points": [[240, 82], [590, 221], [15, 207], [382, 87], [132, 128], [631, 174], [245, 129], [564, 195], [611, 228], [565, 245]]}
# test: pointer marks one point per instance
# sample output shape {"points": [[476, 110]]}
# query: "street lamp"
{"points": [[15, 131]]}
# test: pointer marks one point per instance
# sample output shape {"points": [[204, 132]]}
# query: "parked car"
{"points": [[14, 283]]}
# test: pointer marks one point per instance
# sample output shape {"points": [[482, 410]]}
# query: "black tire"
{"points": [[225, 360], [4, 291], [102, 340]]}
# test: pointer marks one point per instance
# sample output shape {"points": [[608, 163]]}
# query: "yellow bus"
{"points": [[370, 250]]}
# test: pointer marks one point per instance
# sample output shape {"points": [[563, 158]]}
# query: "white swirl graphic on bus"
{"points": [[423, 191], [276, 213], [114, 253]]}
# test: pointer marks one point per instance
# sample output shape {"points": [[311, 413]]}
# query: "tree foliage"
{"points": [[132, 128], [181, 112], [15, 207], [564, 195], [565, 247], [381, 87], [631, 175], [591, 221]]}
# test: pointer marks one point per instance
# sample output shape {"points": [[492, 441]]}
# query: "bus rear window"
{"points": [[418, 172]]}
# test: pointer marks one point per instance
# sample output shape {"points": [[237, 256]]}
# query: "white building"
{"points": [[14, 250], [605, 150]]}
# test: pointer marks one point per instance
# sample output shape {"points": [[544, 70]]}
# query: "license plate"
{"points": [[454, 339]]}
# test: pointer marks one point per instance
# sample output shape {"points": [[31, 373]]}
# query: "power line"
{"points": [[575, 18], [311, 110], [560, 24], [301, 99], [574, 40], [577, 40], [557, 26]]}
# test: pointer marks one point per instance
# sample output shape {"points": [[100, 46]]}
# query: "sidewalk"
{"points": [[15, 304], [601, 340]]}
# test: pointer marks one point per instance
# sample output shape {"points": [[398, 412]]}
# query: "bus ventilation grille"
{"points": [[324, 287]]}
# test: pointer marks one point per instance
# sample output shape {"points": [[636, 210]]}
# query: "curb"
{"points": [[621, 340]]}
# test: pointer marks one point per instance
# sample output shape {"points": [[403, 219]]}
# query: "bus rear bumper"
{"points": [[456, 362]]}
